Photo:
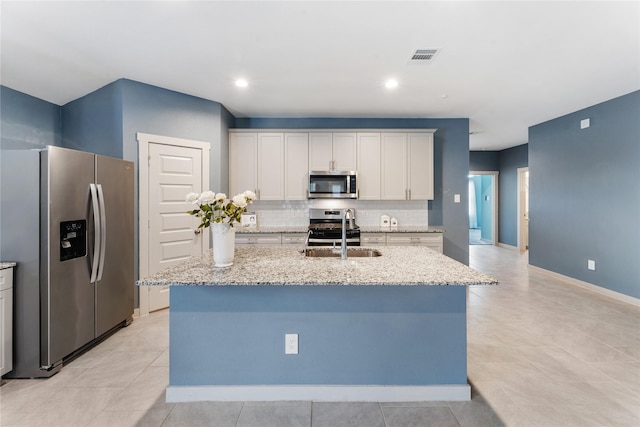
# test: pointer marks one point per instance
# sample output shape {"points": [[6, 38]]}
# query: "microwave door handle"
{"points": [[96, 233], [103, 231]]}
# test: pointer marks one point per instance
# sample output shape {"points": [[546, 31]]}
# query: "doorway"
{"points": [[483, 208], [169, 169], [523, 209]]}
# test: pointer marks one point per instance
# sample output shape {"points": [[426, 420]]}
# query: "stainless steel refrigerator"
{"points": [[66, 218]]}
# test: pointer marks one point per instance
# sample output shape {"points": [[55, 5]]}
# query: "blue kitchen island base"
{"points": [[356, 343]]}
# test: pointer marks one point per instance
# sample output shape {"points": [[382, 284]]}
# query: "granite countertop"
{"points": [[363, 228], [266, 229], [274, 265], [4, 265], [401, 229]]}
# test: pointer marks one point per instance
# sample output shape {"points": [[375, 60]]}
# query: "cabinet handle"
{"points": [[409, 198]]}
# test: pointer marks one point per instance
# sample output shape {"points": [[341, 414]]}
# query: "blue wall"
{"points": [[585, 196], [509, 161], [506, 162], [348, 335], [483, 161], [451, 166], [93, 123], [27, 122]]}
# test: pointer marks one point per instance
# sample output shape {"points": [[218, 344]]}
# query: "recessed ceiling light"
{"points": [[242, 83], [391, 84]]}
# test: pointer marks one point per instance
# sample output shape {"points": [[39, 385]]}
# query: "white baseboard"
{"points": [[136, 313], [505, 246], [588, 286], [319, 393]]}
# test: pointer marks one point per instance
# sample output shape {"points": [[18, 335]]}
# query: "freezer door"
{"points": [[115, 286], [66, 296]]}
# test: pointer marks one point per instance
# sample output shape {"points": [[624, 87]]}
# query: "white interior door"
{"points": [[174, 168]]}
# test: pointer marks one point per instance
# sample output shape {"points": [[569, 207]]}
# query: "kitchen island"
{"points": [[387, 328]]}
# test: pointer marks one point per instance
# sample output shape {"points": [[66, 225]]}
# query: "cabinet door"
{"points": [[294, 238], [270, 166], [296, 163], [320, 151], [420, 166], [344, 151], [369, 167], [6, 331], [243, 163], [368, 239], [394, 166], [258, 239]]}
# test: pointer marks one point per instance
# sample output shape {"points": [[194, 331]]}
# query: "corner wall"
{"points": [[585, 197], [509, 161]]}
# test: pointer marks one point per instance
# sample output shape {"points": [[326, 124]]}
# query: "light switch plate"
{"points": [[456, 198], [585, 123], [291, 344], [591, 264]]}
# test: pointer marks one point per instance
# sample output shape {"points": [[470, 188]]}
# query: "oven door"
{"points": [[352, 241]]}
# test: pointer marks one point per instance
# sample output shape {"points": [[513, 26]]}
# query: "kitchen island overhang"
{"points": [[391, 328]]}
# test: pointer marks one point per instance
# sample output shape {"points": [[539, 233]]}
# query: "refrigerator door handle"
{"points": [[96, 233], [103, 231]]}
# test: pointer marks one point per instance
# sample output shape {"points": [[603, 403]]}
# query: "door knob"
{"points": [[196, 231]]}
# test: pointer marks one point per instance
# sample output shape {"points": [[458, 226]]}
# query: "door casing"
{"points": [[144, 140]]}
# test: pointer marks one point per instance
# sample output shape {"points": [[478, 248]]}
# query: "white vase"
{"points": [[224, 244]]}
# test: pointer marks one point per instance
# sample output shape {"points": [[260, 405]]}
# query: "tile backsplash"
{"points": [[296, 213]]}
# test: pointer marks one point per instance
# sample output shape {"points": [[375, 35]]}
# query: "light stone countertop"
{"points": [[276, 265], [363, 228], [401, 229], [4, 265], [267, 229]]}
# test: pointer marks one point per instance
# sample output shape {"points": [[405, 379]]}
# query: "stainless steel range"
{"points": [[325, 228]]}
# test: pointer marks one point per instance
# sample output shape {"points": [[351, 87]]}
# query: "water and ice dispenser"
{"points": [[73, 239]]}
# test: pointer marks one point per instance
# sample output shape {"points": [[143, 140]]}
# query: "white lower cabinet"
{"points": [[430, 240], [6, 320], [294, 238], [270, 238], [258, 239], [367, 239]]}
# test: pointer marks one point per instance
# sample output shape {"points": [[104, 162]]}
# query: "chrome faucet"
{"points": [[343, 247], [306, 243]]}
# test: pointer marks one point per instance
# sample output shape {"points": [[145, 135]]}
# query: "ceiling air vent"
{"points": [[423, 56]]}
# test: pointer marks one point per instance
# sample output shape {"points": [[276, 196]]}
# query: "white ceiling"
{"points": [[505, 65]]}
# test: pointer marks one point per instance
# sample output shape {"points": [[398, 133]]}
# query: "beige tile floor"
{"points": [[541, 353]]}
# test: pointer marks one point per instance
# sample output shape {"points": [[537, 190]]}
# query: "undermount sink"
{"points": [[351, 253]]}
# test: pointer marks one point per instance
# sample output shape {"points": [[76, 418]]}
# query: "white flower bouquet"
{"points": [[217, 208]]}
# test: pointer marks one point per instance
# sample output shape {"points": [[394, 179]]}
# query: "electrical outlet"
{"points": [[591, 264], [291, 344], [456, 198]]}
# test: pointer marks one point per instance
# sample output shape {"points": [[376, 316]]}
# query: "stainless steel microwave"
{"points": [[333, 185]]}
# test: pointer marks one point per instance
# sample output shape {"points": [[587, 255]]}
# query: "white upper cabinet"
{"points": [[394, 166], [420, 175], [243, 162], [320, 151], [270, 166], [344, 151], [369, 166], [256, 163], [407, 165], [296, 162], [332, 151]]}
